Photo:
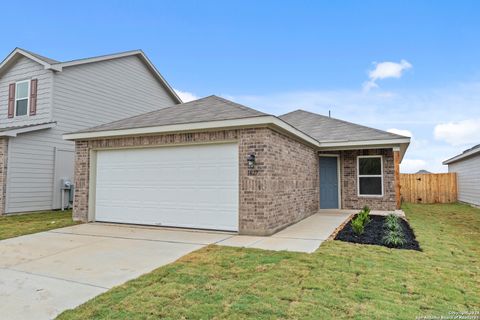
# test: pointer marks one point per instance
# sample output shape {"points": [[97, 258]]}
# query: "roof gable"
{"points": [[327, 129], [12, 58], [58, 66]]}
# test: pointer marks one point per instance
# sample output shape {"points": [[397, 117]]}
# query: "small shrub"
{"points": [[364, 215], [360, 220], [366, 209], [394, 238], [358, 225], [392, 222]]}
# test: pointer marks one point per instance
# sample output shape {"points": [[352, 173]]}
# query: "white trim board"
{"points": [[219, 124], [267, 120]]}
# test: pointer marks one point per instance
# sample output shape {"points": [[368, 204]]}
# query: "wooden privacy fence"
{"points": [[429, 188]]}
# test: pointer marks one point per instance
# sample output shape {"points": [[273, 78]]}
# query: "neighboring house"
{"points": [[41, 99], [467, 167], [214, 164], [423, 172]]}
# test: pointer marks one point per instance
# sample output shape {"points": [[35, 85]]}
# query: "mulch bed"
{"points": [[375, 231]]}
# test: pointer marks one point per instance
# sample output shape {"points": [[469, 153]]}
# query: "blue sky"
{"points": [[406, 65]]}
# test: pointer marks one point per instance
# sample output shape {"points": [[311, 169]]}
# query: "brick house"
{"points": [[214, 164]]}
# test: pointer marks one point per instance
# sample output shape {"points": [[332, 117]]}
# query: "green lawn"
{"points": [[338, 281], [19, 225]]}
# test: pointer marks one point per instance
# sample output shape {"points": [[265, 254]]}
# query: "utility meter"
{"points": [[66, 184]]}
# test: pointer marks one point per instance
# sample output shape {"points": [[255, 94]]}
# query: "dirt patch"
{"points": [[374, 233]]}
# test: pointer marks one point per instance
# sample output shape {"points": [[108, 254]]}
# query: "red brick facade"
{"points": [[282, 188]]}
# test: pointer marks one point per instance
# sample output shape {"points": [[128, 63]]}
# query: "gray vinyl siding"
{"points": [[83, 96], [25, 69], [468, 179], [96, 93], [30, 171]]}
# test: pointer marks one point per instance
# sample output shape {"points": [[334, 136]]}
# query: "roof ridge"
{"points": [[350, 123], [291, 112], [236, 104]]}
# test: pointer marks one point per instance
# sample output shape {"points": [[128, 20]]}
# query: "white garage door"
{"points": [[183, 186]]}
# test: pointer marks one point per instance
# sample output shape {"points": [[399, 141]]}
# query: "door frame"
{"points": [[338, 177]]}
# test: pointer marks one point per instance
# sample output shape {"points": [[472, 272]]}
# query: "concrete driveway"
{"points": [[45, 273]]}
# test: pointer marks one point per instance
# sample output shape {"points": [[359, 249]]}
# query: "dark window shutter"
{"points": [[33, 97], [11, 100]]}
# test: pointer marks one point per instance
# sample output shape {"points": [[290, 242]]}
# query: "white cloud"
{"points": [[368, 85], [406, 133], [186, 96], [412, 165], [384, 70], [417, 111], [459, 133]]}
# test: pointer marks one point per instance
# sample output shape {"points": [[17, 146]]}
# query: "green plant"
{"points": [[394, 233], [358, 225], [360, 220], [394, 238], [366, 209], [364, 215], [392, 222]]}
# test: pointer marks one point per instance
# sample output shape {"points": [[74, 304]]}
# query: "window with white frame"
{"points": [[370, 175], [22, 93]]}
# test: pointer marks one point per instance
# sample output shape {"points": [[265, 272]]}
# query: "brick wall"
{"points": [[3, 172], [350, 198], [282, 189]]}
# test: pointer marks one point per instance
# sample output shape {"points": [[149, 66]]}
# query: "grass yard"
{"points": [[339, 281], [19, 225]]}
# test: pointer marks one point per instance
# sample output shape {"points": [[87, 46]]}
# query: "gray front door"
{"points": [[328, 183]]}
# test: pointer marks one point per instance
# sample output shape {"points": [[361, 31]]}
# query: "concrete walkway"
{"points": [[304, 236], [45, 273]]}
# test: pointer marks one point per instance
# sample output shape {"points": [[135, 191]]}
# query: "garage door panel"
{"points": [[219, 175], [175, 216], [167, 197], [188, 186]]}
